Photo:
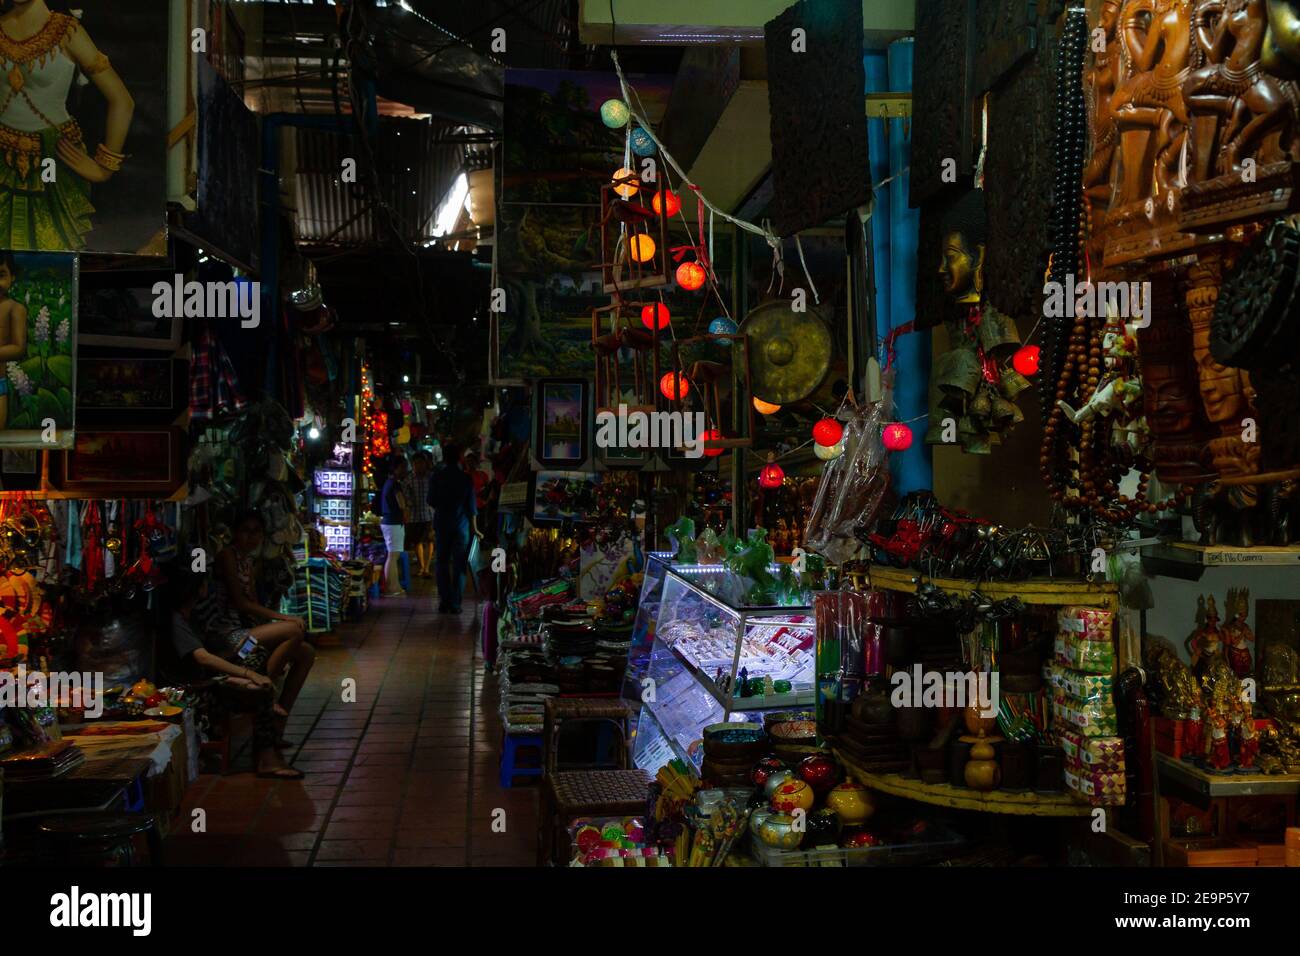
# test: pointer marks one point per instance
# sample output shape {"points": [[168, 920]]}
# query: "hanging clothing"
{"points": [[214, 386]]}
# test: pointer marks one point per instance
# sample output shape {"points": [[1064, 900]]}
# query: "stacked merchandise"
{"points": [[1083, 705], [318, 594], [527, 677], [355, 596], [333, 506]]}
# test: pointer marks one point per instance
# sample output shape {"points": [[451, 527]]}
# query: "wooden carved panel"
{"points": [[943, 102], [813, 149]]}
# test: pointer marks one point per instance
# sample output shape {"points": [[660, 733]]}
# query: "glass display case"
{"points": [[716, 658]]}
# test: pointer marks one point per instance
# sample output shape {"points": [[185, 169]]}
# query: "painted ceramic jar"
{"points": [[853, 802], [793, 795]]}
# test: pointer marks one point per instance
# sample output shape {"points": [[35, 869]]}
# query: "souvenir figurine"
{"points": [[1120, 390], [1205, 645], [1218, 755], [1237, 635], [1248, 750], [1193, 735]]}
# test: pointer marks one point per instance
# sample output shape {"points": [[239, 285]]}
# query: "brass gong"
{"points": [[790, 352]]}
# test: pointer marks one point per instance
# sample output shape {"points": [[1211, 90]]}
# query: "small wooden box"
{"points": [[1211, 851], [1169, 736]]}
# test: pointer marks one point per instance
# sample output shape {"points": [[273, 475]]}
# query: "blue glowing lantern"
{"points": [[641, 142], [614, 113], [723, 326]]}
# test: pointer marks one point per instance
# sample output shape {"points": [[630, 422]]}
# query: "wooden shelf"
{"points": [[1185, 779], [1025, 804], [1048, 591], [1185, 560]]}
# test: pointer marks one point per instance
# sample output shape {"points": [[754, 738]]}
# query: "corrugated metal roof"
{"points": [[415, 167]]}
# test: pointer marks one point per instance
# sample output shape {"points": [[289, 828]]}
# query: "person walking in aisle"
{"points": [[455, 519], [392, 505], [419, 517]]}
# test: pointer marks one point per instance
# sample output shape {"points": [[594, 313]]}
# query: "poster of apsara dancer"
{"points": [[82, 125], [38, 349]]}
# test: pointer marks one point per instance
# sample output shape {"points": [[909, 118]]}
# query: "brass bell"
{"points": [[982, 406], [1013, 383], [934, 434], [998, 334], [1004, 411], [977, 445], [958, 372], [966, 428]]}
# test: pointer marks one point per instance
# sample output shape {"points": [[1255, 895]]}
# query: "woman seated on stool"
{"points": [[241, 685], [230, 614]]}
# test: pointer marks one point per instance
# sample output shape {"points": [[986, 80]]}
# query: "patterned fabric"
{"points": [[35, 214], [214, 387], [417, 499]]}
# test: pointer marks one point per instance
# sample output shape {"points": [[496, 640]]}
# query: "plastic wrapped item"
{"points": [[851, 489]]}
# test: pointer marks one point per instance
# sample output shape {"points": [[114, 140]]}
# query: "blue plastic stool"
{"points": [[510, 748]]}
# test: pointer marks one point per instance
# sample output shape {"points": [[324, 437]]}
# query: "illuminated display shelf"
{"points": [[702, 626]]}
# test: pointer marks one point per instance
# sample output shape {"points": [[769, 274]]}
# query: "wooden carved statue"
{"points": [[1100, 83], [1148, 104], [1252, 113]]}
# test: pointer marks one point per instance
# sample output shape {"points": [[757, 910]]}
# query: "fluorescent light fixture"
{"points": [[451, 206]]}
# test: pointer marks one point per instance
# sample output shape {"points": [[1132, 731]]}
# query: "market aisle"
{"points": [[406, 775]]}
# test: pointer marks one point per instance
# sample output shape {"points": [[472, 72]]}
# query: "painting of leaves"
{"points": [[38, 342]]}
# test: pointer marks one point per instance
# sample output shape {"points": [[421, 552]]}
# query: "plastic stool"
{"points": [[510, 747]]}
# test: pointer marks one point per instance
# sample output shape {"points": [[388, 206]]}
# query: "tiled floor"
{"points": [[404, 776]]}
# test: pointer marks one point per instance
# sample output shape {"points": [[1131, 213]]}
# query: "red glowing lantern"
{"points": [[828, 432], [655, 316], [691, 276], [675, 386], [712, 435], [771, 474], [666, 199], [1026, 359], [897, 436]]}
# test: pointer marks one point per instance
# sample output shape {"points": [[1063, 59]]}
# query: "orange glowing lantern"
{"points": [[765, 408], [666, 199], [641, 248], [655, 316], [675, 386], [625, 183], [691, 276]]}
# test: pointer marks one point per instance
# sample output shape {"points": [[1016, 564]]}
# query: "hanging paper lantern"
{"points": [[713, 435], [1026, 359], [691, 276], [771, 474], [655, 316], [828, 452], [666, 199], [828, 432], [765, 408], [641, 248], [641, 142], [897, 436], [674, 386], [614, 113], [723, 326], [625, 183]]}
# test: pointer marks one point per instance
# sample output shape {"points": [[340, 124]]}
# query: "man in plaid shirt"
{"points": [[419, 515]]}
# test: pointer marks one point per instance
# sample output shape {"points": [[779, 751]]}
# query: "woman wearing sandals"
{"points": [[239, 685], [230, 615]]}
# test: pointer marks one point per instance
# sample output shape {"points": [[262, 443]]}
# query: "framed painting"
{"points": [[139, 463], [38, 349], [150, 389], [116, 309], [561, 427], [564, 495]]}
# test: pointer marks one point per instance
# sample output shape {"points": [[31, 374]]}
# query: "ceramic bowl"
{"points": [[793, 795], [778, 831], [794, 731], [775, 779], [853, 802]]}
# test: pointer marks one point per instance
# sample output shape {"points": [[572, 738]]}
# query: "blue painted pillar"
{"points": [[910, 469], [877, 70]]}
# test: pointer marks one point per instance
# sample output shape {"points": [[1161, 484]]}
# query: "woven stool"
{"points": [[510, 747], [97, 839], [587, 793], [610, 712]]}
